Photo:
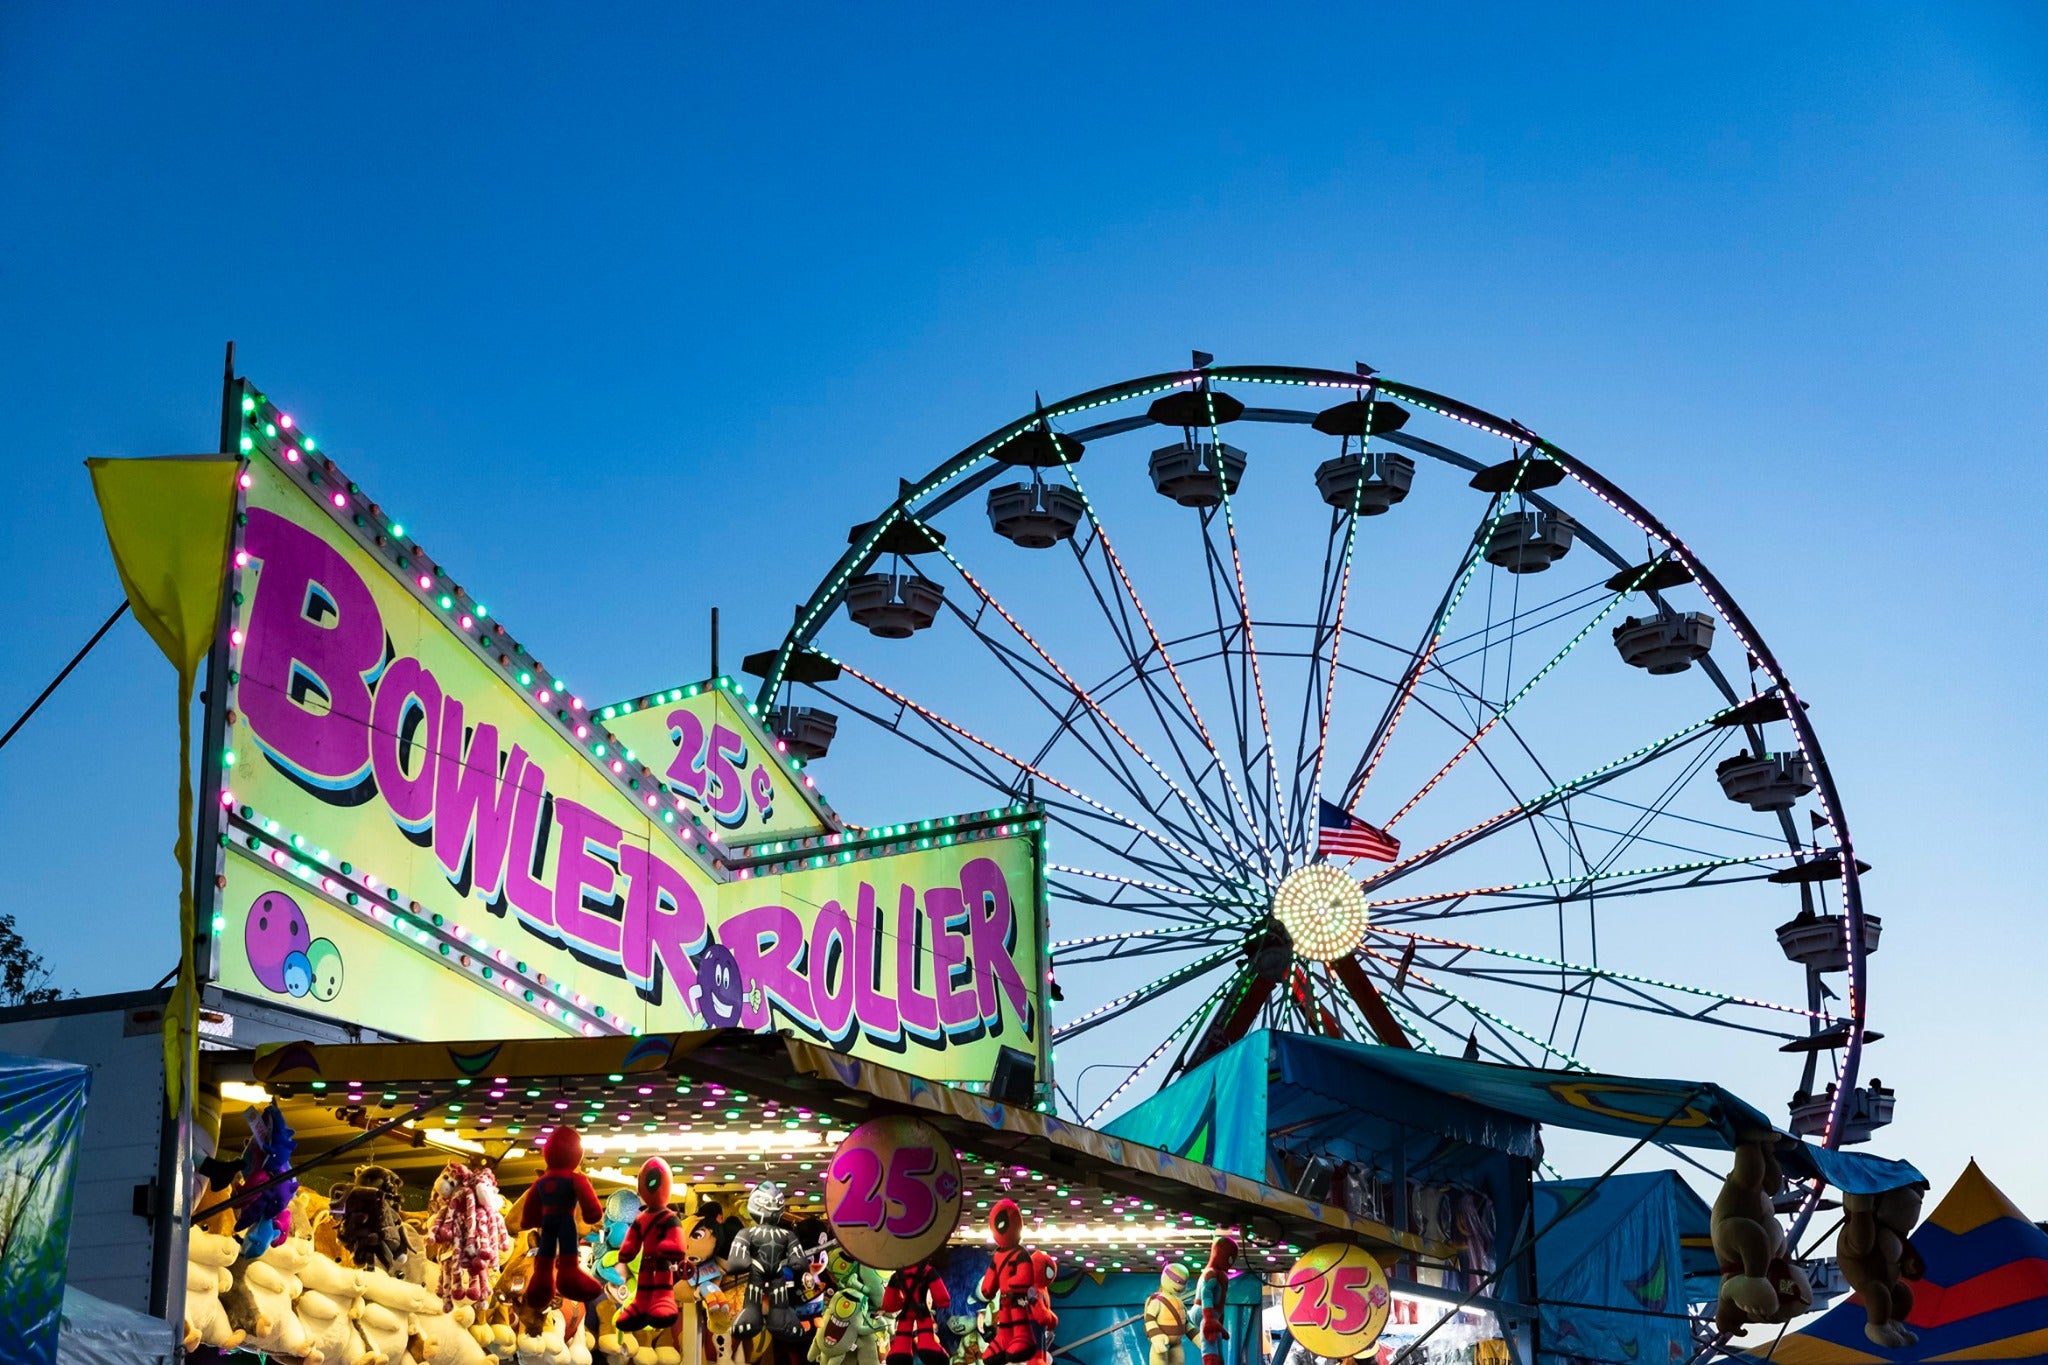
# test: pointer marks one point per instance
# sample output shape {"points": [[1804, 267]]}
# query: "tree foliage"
{"points": [[24, 978]]}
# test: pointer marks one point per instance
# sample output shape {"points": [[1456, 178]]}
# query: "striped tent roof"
{"points": [[1985, 1296]]}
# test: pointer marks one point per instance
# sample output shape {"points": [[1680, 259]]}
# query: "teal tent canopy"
{"points": [[1612, 1273], [42, 1117], [1359, 1096]]}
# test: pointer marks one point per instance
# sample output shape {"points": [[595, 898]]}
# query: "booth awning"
{"points": [[1336, 1090], [728, 1109]]}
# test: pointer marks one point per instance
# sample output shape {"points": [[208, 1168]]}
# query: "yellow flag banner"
{"points": [[168, 523]]}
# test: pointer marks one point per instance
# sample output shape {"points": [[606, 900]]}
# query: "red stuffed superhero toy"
{"points": [[551, 1205], [916, 1295], [1017, 1284], [656, 1238], [1212, 1292]]}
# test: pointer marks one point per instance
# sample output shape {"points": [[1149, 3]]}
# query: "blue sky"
{"points": [[624, 311]]}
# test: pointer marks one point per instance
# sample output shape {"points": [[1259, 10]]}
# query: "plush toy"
{"points": [[1166, 1316], [621, 1207], [848, 1321], [655, 1241], [1212, 1291], [768, 1254], [449, 1339], [372, 1224], [1759, 1281], [466, 1227], [551, 1207], [330, 1299], [966, 1331], [916, 1295], [207, 1258], [389, 1308], [266, 1217], [1876, 1255], [262, 1303], [1018, 1285]]}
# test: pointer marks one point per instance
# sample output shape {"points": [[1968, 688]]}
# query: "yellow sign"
{"points": [[710, 748], [1336, 1300], [892, 1192], [427, 833]]}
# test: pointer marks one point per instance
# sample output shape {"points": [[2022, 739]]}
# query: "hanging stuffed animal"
{"points": [[656, 1241], [768, 1254], [1759, 1280], [1877, 1255], [466, 1224], [552, 1206], [916, 1295], [371, 1223], [265, 1218], [1212, 1292], [621, 1207], [1018, 1285], [966, 1330], [1166, 1317]]}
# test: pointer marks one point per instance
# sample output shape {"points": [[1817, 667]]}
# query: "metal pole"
{"points": [[714, 642]]}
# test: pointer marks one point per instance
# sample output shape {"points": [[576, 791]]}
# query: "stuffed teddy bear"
{"points": [[1166, 1317], [1876, 1255], [263, 1301], [330, 1299], [207, 1258], [1759, 1281], [447, 1339]]}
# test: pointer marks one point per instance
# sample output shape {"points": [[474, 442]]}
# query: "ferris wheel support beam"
{"points": [[1371, 1007]]}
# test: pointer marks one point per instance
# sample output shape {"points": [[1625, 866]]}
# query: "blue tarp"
{"points": [[1273, 1100], [1617, 1244], [1479, 1103], [42, 1114]]}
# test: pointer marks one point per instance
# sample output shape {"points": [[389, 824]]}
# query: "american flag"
{"points": [[1341, 835]]}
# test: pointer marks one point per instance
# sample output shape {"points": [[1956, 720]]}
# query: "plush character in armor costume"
{"points": [[768, 1254]]}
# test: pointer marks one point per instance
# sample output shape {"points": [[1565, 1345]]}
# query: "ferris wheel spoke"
{"points": [[1244, 611], [1645, 816], [1480, 1012], [1522, 810], [1130, 1000], [1520, 695], [1523, 622], [1419, 658], [1532, 969], [1179, 1031], [1103, 720], [1064, 949], [1546, 892], [1139, 884], [1130, 592], [932, 717]]}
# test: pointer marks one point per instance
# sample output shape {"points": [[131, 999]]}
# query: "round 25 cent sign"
{"points": [[892, 1192], [1336, 1300]]}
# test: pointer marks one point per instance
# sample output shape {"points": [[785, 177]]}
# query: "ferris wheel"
{"points": [[1357, 711]]}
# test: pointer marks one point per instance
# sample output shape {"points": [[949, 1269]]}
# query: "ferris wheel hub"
{"points": [[1323, 910]]}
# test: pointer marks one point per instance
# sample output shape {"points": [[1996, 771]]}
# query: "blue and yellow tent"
{"points": [[1985, 1296]]}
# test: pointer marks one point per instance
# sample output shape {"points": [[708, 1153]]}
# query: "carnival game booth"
{"points": [[390, 1143], [1447, 1149]]}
